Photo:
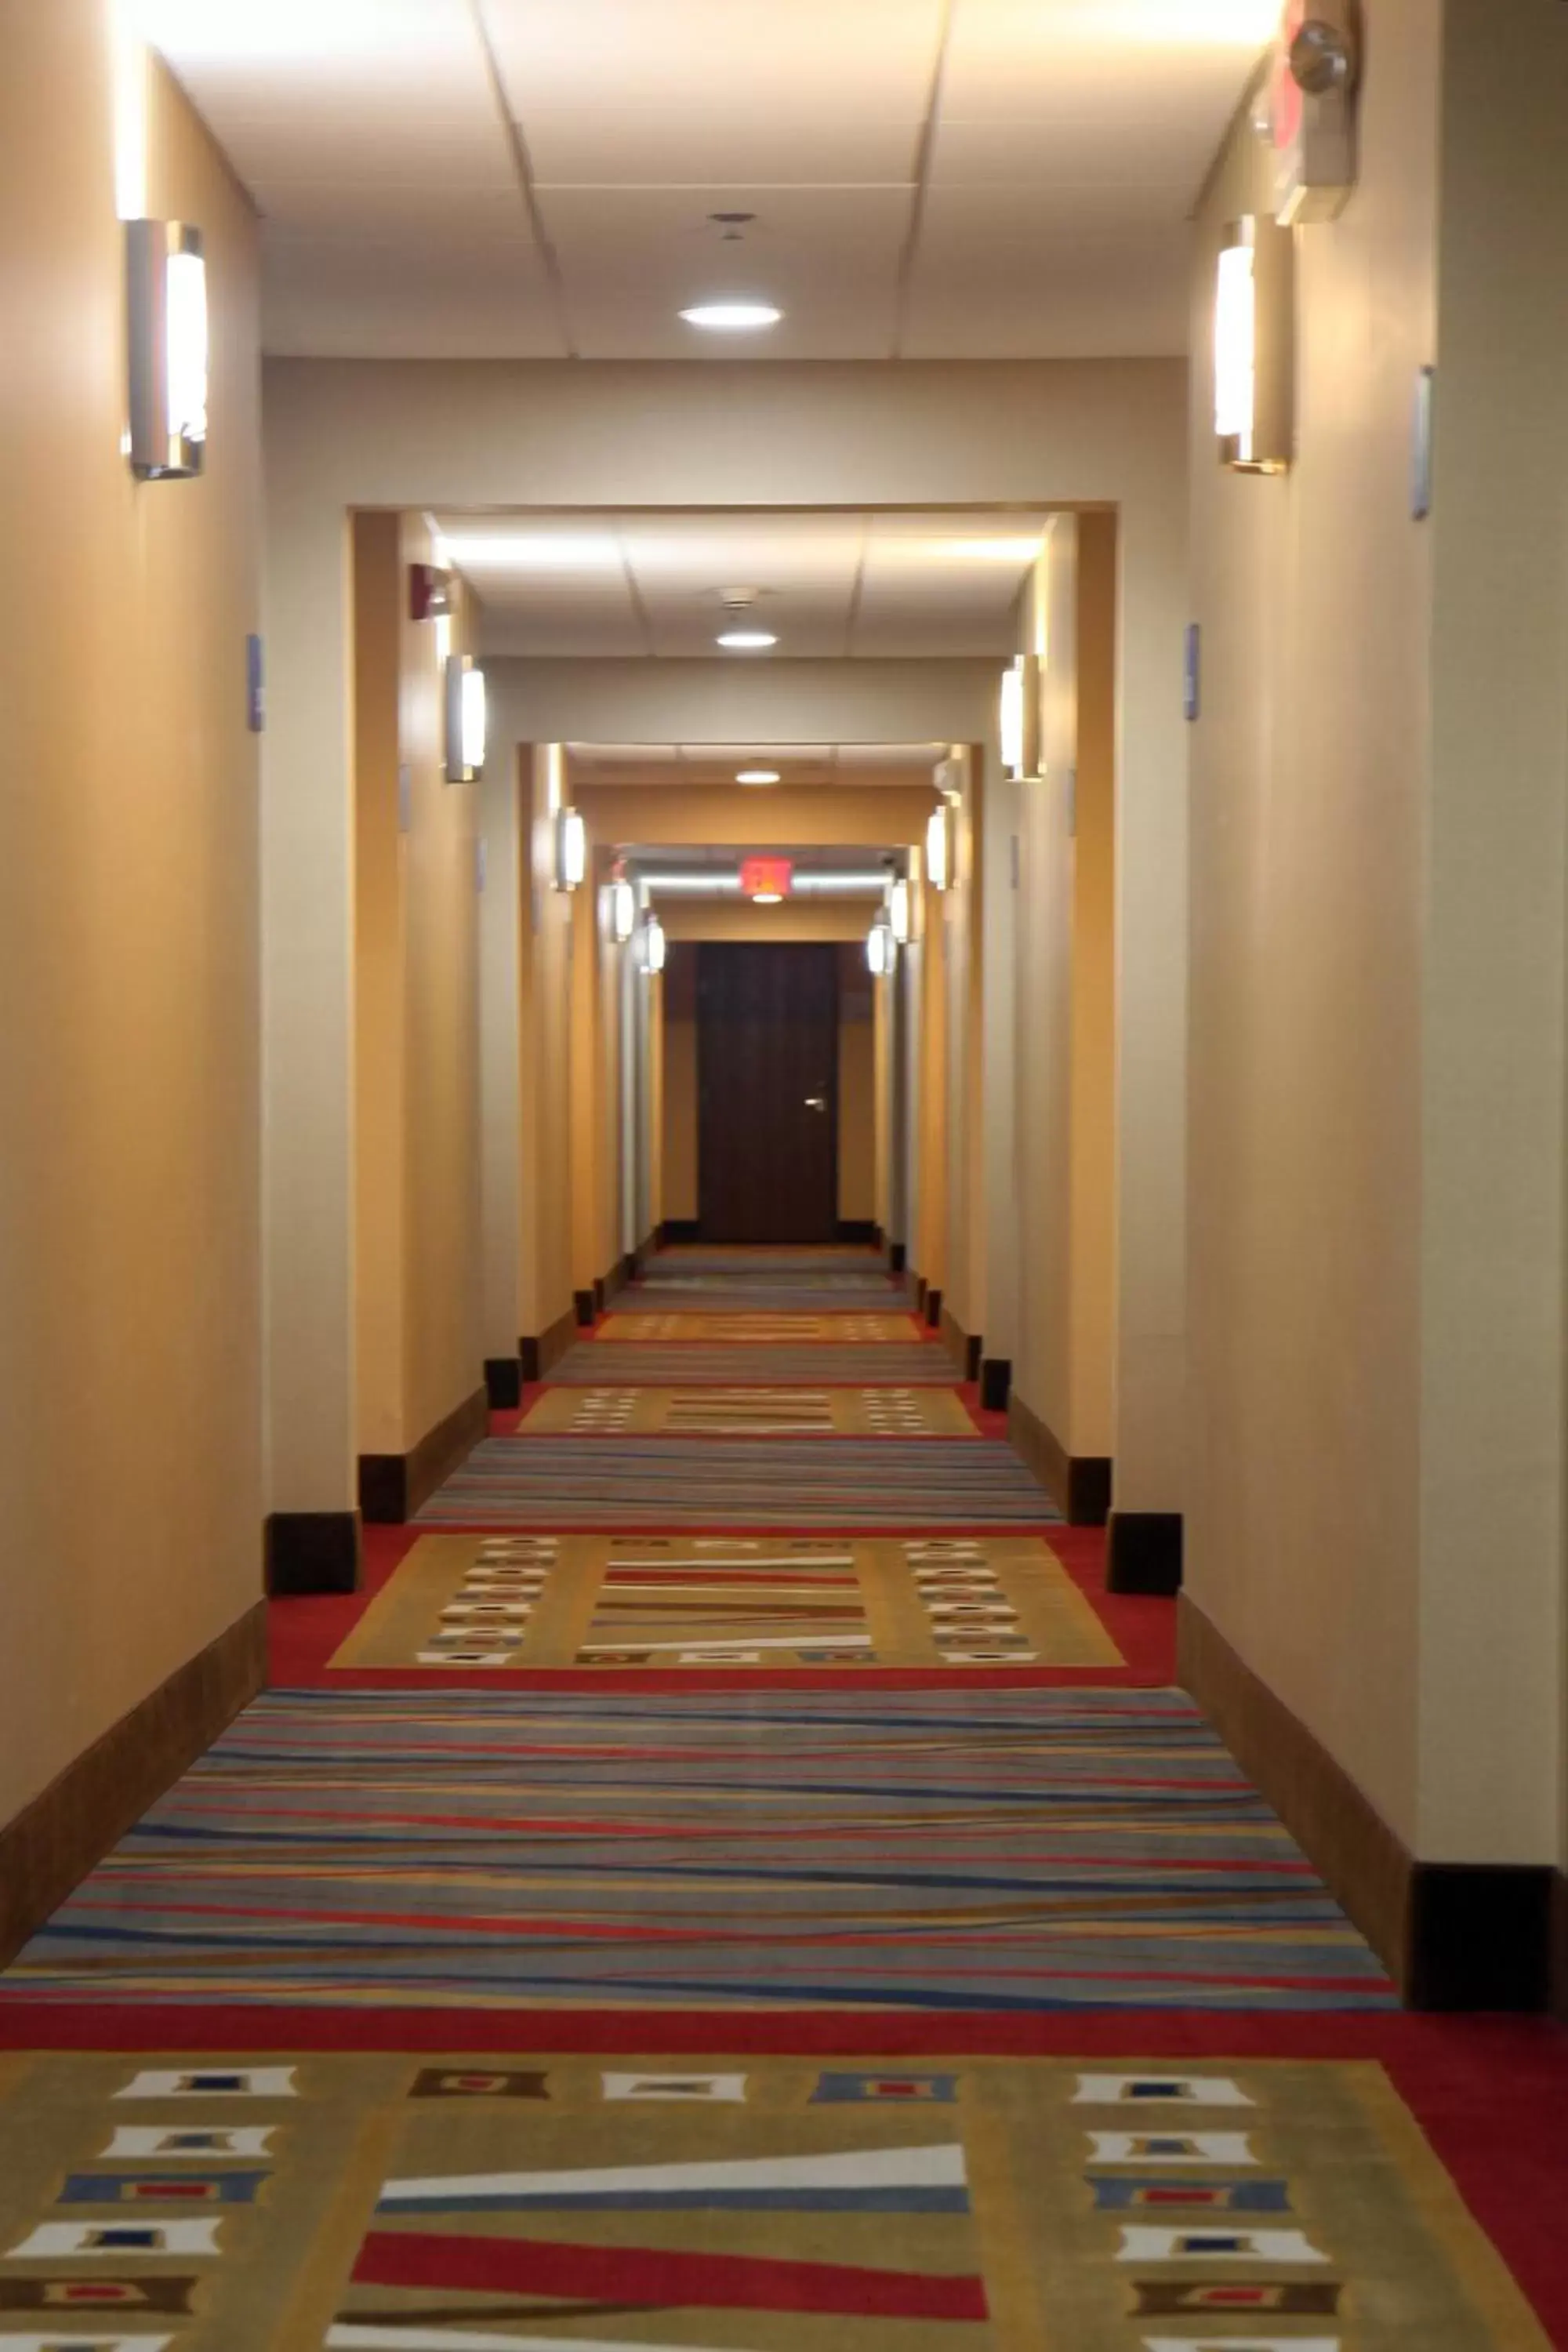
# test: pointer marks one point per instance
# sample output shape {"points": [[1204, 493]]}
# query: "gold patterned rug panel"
{"points": [[748, 1413], [360, 2201], [466, 1602], [763, 1329]]}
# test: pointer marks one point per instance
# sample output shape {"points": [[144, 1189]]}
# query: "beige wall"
{"points": [[1065, 1010], [129, 1180], [418, 1242], [678, 1101], [548, 1229], [965, 962], [1377, 919]]}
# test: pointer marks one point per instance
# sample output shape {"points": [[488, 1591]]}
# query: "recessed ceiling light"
{"points": [[768, 898], [732, 318], [758, 776], [746, 641]]}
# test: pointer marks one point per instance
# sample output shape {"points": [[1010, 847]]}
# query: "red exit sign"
{"points": [[766, 877]]}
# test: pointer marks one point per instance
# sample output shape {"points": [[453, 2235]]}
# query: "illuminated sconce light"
{"points": [[1252, 347], [939, 845], [881, 949], [898, 912], [466, 719], [166, 288], [622, 911], [652, 946], [1020, 717], [571, 849]]}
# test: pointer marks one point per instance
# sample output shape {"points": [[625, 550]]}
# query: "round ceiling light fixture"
{"points": [[733, 318], [758, 776], [746, 641]]}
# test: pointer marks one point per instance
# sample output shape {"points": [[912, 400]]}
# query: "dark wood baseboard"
{"points": [[624, 1271], [995, 1383], [863, 1232], [1079, 1485], [932, 1308], [1453, 1936], [918, 1283], [1143, 1552], [680, 1229], [392, 1487], [584, 1308], [503, 1382], [312, 1551], [898, 1257], [1560, 1946], [54, 1842], [537, 1350]]}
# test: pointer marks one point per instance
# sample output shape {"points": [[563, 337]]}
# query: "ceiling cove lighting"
{"points": [[166, 289], [733, 318], [1020, 717], [1252, 347], [881, 950], [746, 641], [652, 946], [899, 911], [571, 848], [466, 719], [758, 776], [622, 907]]}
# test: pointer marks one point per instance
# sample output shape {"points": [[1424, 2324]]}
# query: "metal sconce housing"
{"points": [[465, 719], [1253, 352], [166, 319], [571, 849]]}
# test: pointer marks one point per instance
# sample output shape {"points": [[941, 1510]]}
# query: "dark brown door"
{"points": [[767, 1093]]}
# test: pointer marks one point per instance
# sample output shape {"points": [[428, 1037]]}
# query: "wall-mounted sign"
{"points": [[1312, 112], [254, 685], [766, 880], [429, 592]]}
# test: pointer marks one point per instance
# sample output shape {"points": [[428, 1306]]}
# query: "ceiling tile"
{"points": [[360, 299], [1001, 270]]}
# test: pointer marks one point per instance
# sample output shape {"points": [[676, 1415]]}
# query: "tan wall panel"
{"points": [[547, 1205], [801, 919], [856, 1095], [130, 1410]]}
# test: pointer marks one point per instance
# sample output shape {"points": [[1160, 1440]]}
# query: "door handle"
{"points": [[816, 1102]]}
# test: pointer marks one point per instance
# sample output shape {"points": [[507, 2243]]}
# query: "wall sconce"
{"points": [[1253, 354], [571, 849], [939, 845], [652, 946], [166, 291], [466, 720], [898, 912], [881, 952], [1020, 717], [623, 911]]}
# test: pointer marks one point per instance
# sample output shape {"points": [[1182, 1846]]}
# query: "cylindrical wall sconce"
{"points": [[466, 720], [652, 946], [899, 911], [571, 849], [166, 310], [1254, 347], [881, 950], [622, 901]]}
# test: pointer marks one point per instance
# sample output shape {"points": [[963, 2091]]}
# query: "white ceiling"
{"points": [[799, 765], [534, 178], [871, 586]]}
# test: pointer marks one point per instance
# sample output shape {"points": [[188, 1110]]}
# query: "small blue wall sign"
{"points": [[254, 686], [1193, 696]]}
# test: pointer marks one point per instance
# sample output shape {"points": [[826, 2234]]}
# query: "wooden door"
{"points": [[767, 1092]]}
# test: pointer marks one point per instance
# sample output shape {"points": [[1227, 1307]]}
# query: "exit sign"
{"points": [[766, 877]]}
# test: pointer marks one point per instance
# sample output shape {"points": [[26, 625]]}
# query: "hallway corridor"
{"points": [[756, 1749]]}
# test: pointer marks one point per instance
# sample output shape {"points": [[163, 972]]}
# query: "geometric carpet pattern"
{"points": [[608, 1363], [465, 1602], [933, 1483], [481, 2201], [764, 1329], [983, 1849], [780, 1411], [733, 1295]]}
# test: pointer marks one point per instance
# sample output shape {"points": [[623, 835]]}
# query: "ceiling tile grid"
{"points": [[927, 178]]}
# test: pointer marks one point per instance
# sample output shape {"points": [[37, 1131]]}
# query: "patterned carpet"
{"points": [[479, 2200], [1035, 1850], [765, 1482], [696, 1940], [632, 1602], [596, 1363], [788, 1411]]}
